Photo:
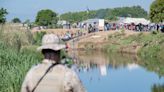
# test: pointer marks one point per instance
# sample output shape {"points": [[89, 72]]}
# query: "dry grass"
{"points": [[15, 35], [58, 31]]}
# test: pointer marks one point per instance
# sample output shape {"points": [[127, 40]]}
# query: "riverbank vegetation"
{"points": [[156, 11], [18, 45], [148, 46], [17, 55], [144, 44]]}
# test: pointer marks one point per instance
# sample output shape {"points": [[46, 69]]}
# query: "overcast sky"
{"points": [[27, 9]]}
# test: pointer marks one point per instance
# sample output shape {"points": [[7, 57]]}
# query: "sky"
{"points": [[27, 9]]}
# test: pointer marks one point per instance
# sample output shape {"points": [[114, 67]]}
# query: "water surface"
{"points": [[116, 73]]}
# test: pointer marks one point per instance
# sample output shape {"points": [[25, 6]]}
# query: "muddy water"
{"points": [[100, 72]]}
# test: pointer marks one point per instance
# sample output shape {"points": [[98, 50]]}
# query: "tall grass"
{"points": [[17, 55], [15, 36], [13, 67]]}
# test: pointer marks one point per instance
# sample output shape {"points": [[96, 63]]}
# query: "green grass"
{"points": [[14, 65], [151, 51], [111, 48], [152, 45], [17, 56]]}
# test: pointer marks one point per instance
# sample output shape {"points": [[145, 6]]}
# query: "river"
{"points": [[100, 72]]}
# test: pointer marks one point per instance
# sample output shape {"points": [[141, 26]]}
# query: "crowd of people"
{"points": [[70, 34], [89, 28], [134, 27]]}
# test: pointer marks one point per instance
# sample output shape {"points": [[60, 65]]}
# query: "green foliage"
{"points": [[38, 37], [16, 20], [16, 57], [151, 48], [158, 88], [151, 43], [157, 11], [31, 49], [111, 48], [14, 65], [101, 13], [46, 18], [3, 13], [78, 16], [135, 11], [150, 51], [110, 14]]}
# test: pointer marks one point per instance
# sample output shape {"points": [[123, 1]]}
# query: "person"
{"points": [[90, 28], [50, 75]]}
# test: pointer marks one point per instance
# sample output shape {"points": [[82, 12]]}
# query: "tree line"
{"points": [[108, 14], [49, 18]]}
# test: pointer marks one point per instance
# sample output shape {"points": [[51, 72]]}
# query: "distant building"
{"points": [[65, 24], [97, 23]]}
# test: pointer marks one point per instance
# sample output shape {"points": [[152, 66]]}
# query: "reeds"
{"points": [[16, 56]]}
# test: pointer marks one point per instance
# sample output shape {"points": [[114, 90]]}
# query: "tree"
{"points": [[110, 14], [16, 20], [46, 18], [157, 11], [3, 13]]}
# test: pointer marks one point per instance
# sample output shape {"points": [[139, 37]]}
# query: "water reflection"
{"points": [[115, 72], [158, 88], [89, 60]]}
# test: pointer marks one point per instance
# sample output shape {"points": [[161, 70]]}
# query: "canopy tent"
{"points": [[92, 21], [135, 21]]}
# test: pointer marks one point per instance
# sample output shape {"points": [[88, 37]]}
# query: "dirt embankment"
{"points": [[110, 40], [103, 40]]}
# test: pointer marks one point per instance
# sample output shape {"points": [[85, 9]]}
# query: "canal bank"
{"points": [[145, 44]]}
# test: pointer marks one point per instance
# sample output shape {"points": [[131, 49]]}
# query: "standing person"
{"points": [[90, 28], [50, 75], [157, 27]]}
